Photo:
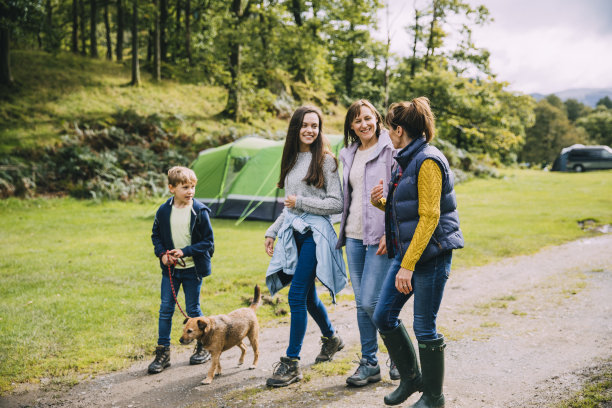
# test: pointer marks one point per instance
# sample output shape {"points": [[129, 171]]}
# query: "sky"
{"points": [[542, 46]]}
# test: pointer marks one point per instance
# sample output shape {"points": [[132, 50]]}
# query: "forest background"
{"points": [[160, 80]]}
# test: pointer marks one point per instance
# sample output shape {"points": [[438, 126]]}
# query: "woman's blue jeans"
{"points": [[428, 281], [303, 297], [367, 271], [191, 287]]}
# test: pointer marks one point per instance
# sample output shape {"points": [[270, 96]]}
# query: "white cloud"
{"points": [[540, 46]]}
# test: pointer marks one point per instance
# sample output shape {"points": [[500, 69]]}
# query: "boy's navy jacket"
{"points": [[202, 242]]}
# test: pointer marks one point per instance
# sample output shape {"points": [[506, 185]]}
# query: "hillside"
{"points": [[587, 96], [55, 91]]}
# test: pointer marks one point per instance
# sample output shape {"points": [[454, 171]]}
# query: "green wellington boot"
{"points": [[432, 364], [402, 353]]}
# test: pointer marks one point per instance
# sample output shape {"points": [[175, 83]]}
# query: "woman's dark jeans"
{"points": [[428, 281], [303, 297]]}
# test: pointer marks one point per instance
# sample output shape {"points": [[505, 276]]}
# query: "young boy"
{"points": [[181, 230]]}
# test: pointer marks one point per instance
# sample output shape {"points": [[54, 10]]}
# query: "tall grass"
{"points": [[80, 283]]}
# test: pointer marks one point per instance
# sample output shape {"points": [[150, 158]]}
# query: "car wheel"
{"points": [[578, 168]]}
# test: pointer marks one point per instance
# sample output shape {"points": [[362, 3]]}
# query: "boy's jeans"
{"points": [[303, 296], [428, 281], [367, 271], [191, 287]]}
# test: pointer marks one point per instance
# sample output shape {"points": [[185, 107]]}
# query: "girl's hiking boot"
{"points": [[162, 360], [330, 346], [286, 371], [200, 356], [365, 373]]}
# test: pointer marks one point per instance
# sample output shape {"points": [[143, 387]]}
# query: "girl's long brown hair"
{"points": [[415, 117], [315, 176]]}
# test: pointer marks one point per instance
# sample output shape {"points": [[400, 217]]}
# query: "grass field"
{"points": [[80, 284]]}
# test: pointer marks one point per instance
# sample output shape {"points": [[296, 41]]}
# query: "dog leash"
{"points": [[181, 262]]}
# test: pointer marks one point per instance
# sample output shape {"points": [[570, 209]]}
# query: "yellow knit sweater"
{"points": [[430, 191]]}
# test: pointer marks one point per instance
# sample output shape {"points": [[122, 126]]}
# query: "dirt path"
{"points": [[520, 333]]}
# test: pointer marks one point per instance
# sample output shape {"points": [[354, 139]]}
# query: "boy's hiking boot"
{"points": [[365, 373], [330, 346], [200, 356], [286, 371], [393, 371], [162, 360]]}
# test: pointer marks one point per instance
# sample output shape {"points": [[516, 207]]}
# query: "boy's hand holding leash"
{"points": [[172, 257]]}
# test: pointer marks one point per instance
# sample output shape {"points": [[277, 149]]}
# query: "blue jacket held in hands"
{"points": [[331, 270]]}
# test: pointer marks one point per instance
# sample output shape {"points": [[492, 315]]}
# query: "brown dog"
{"points": [[222, 332]]}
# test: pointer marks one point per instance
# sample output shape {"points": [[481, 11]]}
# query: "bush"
{"points": [[128, 159]]}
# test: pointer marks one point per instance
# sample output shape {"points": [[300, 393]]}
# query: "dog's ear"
{"points": [[185, 321], [201, 324]]}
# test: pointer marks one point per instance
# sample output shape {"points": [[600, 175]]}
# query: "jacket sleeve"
{"points": [[273, 230], [207, 244], [430, 191], [158, 246]]}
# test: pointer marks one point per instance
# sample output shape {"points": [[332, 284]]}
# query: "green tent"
{"points": [[238, 180]]}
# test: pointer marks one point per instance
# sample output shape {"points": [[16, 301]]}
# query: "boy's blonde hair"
{"points": [[181, 175]]}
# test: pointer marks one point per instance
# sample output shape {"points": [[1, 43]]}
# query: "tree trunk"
{"points": [[93, 22], [74, 40], [349, 67], [430, 42], [163, 26], [120, 28], [5, 56], [413, 62], [177, 32], [188, 31], [233, 107], [109, 45], [349, 73], [49, 40], [83, 37], [135, 67], [156, 45], [296, 10], [387, 48], [150, 42]]}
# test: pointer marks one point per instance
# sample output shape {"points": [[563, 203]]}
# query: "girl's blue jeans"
{"points": [[303, 297], [428, 281], [367, 271], [191, 287]]}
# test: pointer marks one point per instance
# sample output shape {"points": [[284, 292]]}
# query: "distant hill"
{"points": [[588, 96]]}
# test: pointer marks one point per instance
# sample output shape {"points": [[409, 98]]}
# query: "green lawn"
{"points": [[80, 283]]}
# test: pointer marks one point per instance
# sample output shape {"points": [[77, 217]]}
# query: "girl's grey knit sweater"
{"points": [[318, 201]]}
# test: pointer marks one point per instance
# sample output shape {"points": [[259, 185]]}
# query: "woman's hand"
{"points": [[382, 246], [269, 245], [377, 192], [290, 201], [403, 281]]}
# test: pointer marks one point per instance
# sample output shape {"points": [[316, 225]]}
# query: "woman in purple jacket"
{"points": [[366, 159]]}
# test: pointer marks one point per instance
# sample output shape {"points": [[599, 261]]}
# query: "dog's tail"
{"points": [[256, 298]]}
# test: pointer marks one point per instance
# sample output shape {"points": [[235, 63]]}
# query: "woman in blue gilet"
{"points": [[422, 229]]}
